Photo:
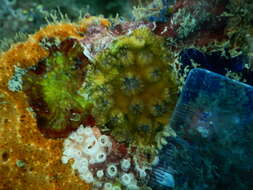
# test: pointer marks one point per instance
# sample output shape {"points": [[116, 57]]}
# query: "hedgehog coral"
{"points": [[132, 87]]}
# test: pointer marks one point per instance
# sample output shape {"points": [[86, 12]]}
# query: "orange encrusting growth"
{"points": [[20, 141], [28, 160]]}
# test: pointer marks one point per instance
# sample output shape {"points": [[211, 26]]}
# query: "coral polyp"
{"points": [[132, 87], [52, 88]]}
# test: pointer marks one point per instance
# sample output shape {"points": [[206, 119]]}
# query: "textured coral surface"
{"points": [[132, 87], [27, 159]]}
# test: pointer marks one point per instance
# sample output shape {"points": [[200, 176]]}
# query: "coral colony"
{"points": [[101, 93]]}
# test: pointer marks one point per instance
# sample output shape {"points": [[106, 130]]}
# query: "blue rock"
{"points": [[213, 149]]}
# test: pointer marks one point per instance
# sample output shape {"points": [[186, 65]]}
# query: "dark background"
{"points": [[27, 16]]}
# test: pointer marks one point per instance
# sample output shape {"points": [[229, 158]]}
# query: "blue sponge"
{"points": [[213, 149]]}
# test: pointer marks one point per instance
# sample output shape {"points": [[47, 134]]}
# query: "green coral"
{"points": [[52, 87], [132, 87]]}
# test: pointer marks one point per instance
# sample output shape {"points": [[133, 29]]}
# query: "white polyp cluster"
{"points": [[86, 148]]}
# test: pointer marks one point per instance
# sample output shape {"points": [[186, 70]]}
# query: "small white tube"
{"points": [[112, 170], [87, 177], [100, 157], [100, 173], [83, 169], [68, 152], [92, 161], [73, 136], [76, 153], [107, 186], [88, 131], [76, 165], [142, 173], [83, 165], [103, 140], [155, 161], [133, 187], [79, 139], [91, 147], [67, 143], [64, 159], [125, 164], [126, 179], [80, 130], [97, 184]]}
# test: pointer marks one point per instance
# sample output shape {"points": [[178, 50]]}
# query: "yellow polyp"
{"points": [[137, 71], [99, 79]]}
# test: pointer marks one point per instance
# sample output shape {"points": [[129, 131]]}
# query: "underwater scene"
{"points": [[126, 95]]}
